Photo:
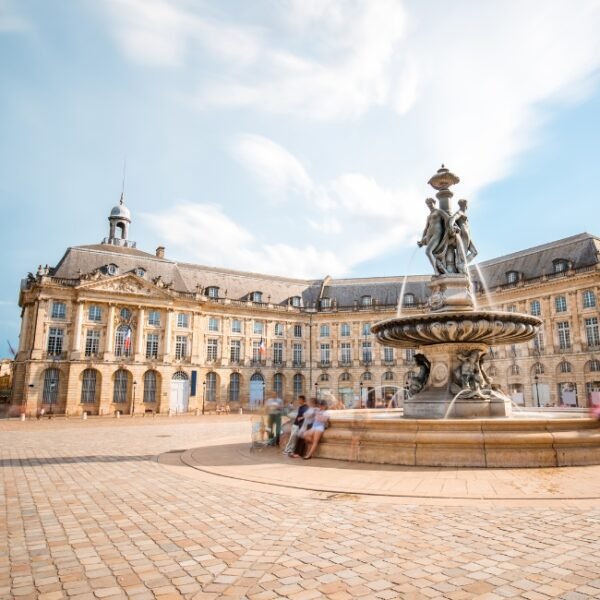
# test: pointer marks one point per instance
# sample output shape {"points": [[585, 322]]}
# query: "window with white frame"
{"points": [[279, 329], [298, 383], [367, 355], [154, 318], [50, 390], [346, 352], [325, 302], [94, 313], [236, 326], [512, 277], [345, 330], [297, 354], [211, 350], [594, 365], [125, 314], [296, 301], [589, 299], [278, 384], [297, 330], [366, 329], [256, 296], [388, 376], [408, 300], [565, 367], [592, 333], [257, 350], [59, 310], [149, 387], [388, 354], [55, 340], [92, 342], [235, 351], [234, 387], [514, 370], [535, 308], [560, 265], [325, 353], [278, 352], [213, 324], [564, 335], [123, 341], [88, 386], [538, 341], [183, 320], [120, 387], [538, 369], [258, 328], [212, 291], [366, 300], [345, 377], [152, 345], [410, 354], [560, 303], [211, 387], [511, 308], [324, 331], [181, 347]]}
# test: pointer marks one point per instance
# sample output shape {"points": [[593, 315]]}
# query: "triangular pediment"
{"points": [[126, 285]]}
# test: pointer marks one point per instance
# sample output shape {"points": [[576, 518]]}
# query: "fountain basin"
{"points": [[491, 328], [537, 441]]}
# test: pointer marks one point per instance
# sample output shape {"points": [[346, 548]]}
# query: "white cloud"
{"points": [[10, 20]]}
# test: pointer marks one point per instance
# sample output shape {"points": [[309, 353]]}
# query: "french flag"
{"points": [[127, 340], [262, 348]]}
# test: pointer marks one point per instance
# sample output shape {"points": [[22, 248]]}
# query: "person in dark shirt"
{"points": [[296, 425]]}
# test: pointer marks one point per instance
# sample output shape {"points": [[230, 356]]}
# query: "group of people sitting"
{"points": [[308, 426]]}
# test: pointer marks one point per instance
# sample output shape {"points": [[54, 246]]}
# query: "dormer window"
{"points": [[256, 297], [212, 291], [366, 300], [325, 302], [561, 265], [296, 301], [512, 276], [112, 269], [409, 299], [140, 272]]}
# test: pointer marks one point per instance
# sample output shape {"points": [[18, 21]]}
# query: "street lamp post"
{"points": [[133, 399], [316, 390], [537, 393], [361, 394], [203, 395]]}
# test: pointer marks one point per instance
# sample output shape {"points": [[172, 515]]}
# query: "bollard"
{"points": [[241, 411], [22, 416], [197, 412], [170, 413], [84, 415], [118, 414]]}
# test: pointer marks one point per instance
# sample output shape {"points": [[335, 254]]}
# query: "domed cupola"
{"points": [[119, 220]]}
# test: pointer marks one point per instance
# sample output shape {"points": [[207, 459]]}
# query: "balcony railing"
{"points": [[324, 364], [298, 364], [255, 362], [345, 363], [54, 355]]}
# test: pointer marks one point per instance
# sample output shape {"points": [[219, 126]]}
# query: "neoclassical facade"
{"points": [[111, 328]]}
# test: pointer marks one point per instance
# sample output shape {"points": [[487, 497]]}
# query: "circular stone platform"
{"points": [[536, 441]]}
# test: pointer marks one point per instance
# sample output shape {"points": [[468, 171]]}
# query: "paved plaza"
{"points": [[180, 508]]}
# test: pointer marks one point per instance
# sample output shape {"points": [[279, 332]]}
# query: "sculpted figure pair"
{"points": [[447, 239]]}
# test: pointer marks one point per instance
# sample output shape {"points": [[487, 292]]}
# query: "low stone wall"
{"points": [[364, 436]]}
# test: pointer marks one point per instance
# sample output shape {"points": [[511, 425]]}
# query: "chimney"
{"points": [[160, 252]]}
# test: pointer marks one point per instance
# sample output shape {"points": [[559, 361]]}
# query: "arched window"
{"points": [[180, 376], [123, 340], [298, 384], [345, 377], [514, 370], [234, 387], [589, 299], [593, 366], [211, 386], [120, 387], [150, 387], [409, 299], [565, 367], [50, 392], [323, 377], [278, 384], [388, 376], [88, 386], [538, 369], [367, 376]]}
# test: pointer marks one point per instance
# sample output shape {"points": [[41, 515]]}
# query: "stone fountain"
{"points": [[453, 338], [455, 415]]}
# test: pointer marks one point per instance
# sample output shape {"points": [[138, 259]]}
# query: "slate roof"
{"points": [[581, 250]]}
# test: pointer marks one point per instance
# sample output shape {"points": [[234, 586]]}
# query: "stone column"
{"points": [[110, 334], [196, 339], [139, 335], [168, 334], [39, 335], [76, 346]]}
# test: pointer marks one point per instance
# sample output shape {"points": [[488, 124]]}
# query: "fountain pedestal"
{"points": [[443, 396]]}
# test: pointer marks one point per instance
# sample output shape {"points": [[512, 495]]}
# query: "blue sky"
{"points": [[292, 137]]}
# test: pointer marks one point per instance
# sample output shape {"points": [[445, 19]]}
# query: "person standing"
{"points": [[296, 425], [274, 408]]}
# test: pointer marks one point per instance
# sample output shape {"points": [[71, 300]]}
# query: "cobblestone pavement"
{"points": [[88, 512]]}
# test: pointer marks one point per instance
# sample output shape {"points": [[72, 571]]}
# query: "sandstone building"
{"points": [[111, 328]]}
